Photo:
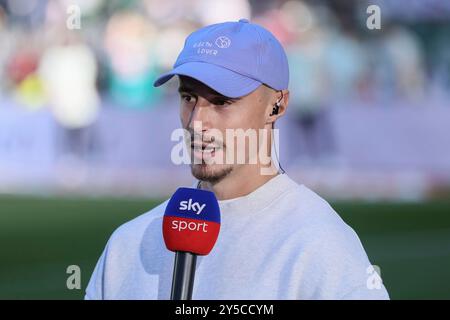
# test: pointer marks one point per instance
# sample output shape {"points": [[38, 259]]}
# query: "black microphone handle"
{"points": [[183, 276]]}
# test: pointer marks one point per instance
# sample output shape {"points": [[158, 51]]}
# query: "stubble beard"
{"points": [[211, 173]]}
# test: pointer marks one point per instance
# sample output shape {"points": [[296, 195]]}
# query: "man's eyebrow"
{"points": [[184, 89]]}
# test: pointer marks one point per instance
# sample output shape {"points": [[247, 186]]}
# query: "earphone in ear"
{"points": [[276, 108]]}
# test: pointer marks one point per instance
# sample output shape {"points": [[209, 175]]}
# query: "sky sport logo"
{"points": [[194, 230], [181, 225], [196, 208]]}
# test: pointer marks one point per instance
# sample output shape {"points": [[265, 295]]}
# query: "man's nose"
{"points": [[201, 114]]}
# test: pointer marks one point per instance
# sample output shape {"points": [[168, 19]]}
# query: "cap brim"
{"points": [[222, 80]]}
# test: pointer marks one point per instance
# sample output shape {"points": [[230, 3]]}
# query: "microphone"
{"points": [[191, 225]]}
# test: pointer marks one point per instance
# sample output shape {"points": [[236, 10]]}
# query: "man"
{"points": [[278, 239]]}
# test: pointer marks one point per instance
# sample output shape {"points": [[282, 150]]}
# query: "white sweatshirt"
{"points": [[282, 241]]}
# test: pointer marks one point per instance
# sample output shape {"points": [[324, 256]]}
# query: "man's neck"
{"points": [[239, 182]]}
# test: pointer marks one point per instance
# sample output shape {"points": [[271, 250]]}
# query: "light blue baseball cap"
{"points": [[233, 58]]}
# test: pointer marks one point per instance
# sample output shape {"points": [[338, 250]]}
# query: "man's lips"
{"points": [[205, 146], [204, 150]]}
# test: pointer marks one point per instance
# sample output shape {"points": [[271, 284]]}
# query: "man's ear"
{"points": [[283, 98]]}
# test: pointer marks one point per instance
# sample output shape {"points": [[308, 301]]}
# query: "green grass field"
{"points": [[40, 237]]}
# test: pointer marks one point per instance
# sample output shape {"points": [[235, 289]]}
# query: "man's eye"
{"points": [[222, 102], [187, 98]]}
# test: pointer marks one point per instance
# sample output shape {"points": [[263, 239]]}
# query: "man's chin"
{"points": [[210, 172]]}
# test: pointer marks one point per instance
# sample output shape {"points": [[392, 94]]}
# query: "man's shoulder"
{"points": [[332, 248], [310, 207], [303, 196], [317, 220], [136, 227]]}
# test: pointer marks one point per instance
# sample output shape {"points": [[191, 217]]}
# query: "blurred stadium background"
{"points": [[85, 138]]}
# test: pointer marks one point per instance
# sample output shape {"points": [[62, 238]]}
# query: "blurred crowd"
{"points": [[77, 57]]}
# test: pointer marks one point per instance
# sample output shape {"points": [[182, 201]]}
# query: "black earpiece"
{"points": [[275, 109]]}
